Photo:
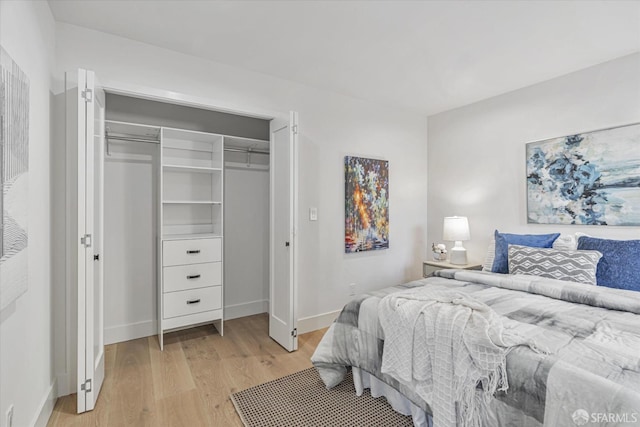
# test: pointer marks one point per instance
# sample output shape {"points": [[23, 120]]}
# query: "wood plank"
{"points": [[169, 368], [184, 409], [190, 383], [213, 376], [133, 401]]}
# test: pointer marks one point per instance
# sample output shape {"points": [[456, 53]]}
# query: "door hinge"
{"points": [[294, 129], [96, 257], [86, 387], [86, 240], [294, 333], [87, 94]]}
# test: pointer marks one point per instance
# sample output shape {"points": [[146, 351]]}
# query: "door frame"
{"points": [[67, 383]]}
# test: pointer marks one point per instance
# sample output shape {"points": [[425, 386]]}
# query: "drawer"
{"points": [[183, 277], [191, 251], [192, 301]]}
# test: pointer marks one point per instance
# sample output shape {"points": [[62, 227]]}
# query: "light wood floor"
{"points": [[190, 382]]}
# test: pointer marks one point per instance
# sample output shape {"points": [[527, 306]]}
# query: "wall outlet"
{"points": [[10, 416], [352, 289]]}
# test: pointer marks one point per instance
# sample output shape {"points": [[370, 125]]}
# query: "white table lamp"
{"points": [[456, 229]]}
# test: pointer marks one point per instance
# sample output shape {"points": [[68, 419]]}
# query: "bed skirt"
{"points": [[363, 380]]}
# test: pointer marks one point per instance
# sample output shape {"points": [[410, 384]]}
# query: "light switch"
{"points": [[313, 214]]}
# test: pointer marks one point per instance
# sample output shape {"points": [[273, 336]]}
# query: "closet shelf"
{"points": [[191, 168], [190, 236], [191, 202]]}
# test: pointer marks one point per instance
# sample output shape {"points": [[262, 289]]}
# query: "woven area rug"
{"points": [[301, 399]]}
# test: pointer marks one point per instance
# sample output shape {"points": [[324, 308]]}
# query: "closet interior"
{"points": [[186, 195]]}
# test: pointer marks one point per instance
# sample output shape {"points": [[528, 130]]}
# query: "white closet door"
{"points": [[85, 112], [282, 294]]}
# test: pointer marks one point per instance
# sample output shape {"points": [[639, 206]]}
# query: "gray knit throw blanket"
{"points": [[444, 344]]}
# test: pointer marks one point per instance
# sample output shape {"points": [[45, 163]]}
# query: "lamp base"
{"points": [[458, 254]]}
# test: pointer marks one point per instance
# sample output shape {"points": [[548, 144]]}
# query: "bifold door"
{"points": [[282, 295], [85, 102]]}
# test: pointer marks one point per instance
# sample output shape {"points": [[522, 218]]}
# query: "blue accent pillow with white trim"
{"points": [[619, 266], [503, 240]]}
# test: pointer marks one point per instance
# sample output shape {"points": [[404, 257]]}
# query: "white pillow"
{"points": [[565, 242], [490, 257]]}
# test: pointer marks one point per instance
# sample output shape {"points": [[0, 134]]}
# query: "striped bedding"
{"points": [[592, 335]]}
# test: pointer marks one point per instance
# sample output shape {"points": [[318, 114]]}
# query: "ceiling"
{"points": [[424, 56]]}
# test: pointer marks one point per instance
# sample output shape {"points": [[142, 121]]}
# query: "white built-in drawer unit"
{"points": [[191, 251], [192, 276], [191, 282], [192, 301], [190, 255]]}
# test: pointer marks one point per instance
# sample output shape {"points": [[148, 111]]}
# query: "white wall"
{"points": [[331, 126], [246, 242], [27, 32], [130, 243], [477, 152]]}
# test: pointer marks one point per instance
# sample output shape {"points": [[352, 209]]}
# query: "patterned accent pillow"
{"points": [[503, 240], [573, 266]]}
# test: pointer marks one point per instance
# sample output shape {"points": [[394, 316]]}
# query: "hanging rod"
{"points": [[125, 138], [108, 137], [246, 150]]}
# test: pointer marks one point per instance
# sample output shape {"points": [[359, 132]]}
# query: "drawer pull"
{"points": [[193, 301], [195, 276], [197, 251]]}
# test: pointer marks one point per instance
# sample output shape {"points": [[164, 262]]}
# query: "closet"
{"points": [[178, 214], [171, 188]]}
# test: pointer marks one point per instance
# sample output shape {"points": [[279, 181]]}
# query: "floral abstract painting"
{"points": [[366, 222], [14, 178], [591, 178]]}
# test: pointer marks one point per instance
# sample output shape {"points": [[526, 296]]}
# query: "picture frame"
{"points": [[366, 204], [589, 178], [14, 180]]}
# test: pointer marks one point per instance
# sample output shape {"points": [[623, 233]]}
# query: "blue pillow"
{"points": [[619, 266], [503, 240]]}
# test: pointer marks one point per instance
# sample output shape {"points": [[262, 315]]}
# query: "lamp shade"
{"points": [[456, 228]]}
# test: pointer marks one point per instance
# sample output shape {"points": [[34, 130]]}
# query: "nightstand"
{"points": [[430, 267]]}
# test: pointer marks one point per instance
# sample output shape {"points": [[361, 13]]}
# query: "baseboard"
{"points": [[313, 323], [64, 385], [131, 331], [245, 309], [148, 328], [45, 409]]}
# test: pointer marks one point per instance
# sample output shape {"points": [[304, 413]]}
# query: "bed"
{"points": [[587, 371]]}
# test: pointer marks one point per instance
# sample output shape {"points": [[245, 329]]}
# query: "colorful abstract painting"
{"points": [[14, 178], [591, 178], [366, 217]]}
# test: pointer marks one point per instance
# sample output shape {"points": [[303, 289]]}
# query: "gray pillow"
{"points": [[574, 266]]}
